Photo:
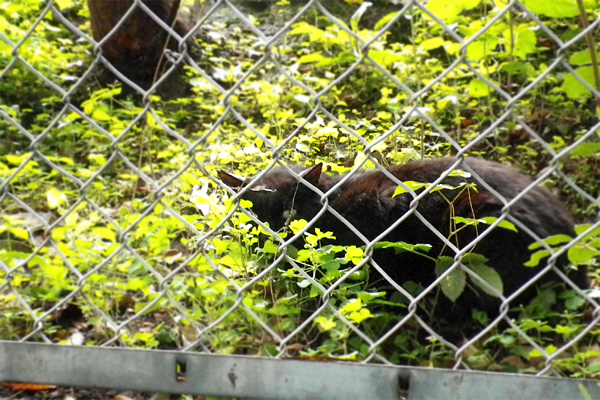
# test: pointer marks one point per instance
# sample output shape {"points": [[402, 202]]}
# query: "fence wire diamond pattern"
{"points": [[171, 287]]}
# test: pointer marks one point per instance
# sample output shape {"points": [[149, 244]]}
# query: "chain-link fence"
{"points": [[126, 221]]}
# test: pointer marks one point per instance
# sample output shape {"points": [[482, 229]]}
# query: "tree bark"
{"points": [[136, 49]]}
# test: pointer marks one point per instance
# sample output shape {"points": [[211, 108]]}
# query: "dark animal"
{"points": [[366, 201]]}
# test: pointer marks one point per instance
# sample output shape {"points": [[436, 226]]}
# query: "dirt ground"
{"points": [[86, 394]]}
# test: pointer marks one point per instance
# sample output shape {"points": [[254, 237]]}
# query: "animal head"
{"points": [[277, 197]]}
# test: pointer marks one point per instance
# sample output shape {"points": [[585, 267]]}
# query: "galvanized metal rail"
{"points": [[263, 378]]}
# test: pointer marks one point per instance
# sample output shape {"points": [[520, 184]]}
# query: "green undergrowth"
{"points": [[128, 258]]}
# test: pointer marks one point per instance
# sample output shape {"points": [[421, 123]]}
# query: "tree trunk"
{"points": [[136, 48]]}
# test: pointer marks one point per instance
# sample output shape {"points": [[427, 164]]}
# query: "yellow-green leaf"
{"points": [[553, 8], [297, 225], [454, 284], [432, 43], [105, 233], [55, 198], [63, 4], [581, 58], [478, 88], [574, 89], [325, 324], [586, 149], [352, 306], [359, 316], [447, 9], [310, 58], [20, 233], [411, 185]]}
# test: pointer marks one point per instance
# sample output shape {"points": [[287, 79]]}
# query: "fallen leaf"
{"points": [[30, 387]]}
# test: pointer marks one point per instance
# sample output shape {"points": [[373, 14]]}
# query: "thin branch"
{"points": [[591, 45]]}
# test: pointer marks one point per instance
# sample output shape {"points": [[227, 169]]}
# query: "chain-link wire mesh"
{"points": [[152, 248]]}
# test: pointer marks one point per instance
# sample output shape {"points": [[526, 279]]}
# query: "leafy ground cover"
{"points": [[127, 260]]}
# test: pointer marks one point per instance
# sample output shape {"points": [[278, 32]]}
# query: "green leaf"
{"points": [[359, 316], [474, 259], [445, 102], [345, 57], [489, 275], [466, 221], [581, 254], [549, 350], [536, 258], [354, 254], [270, 247], [324, 235], [522, 40], [247, 204], [67, 161], [447, 9], [63, 4], [9, 256], [314, 291], [366, 297], [579, 229], [410, 184], [594, 368], [37, 261], [529, 324], [581, 58], [401, 247], [352, 305], [302, 28], [432, 43], [358, 14], [525, 44], [518, 68], [385, 58], [454, 284], [586, 149], [504, 224], [327, 62], [325, 324], [59, 233], [383, 21], [331, 265], [16, 160], [478, 88], [19, 232], [5, 49], [573, 303], [483, 47], [460, 173], [105, 233], [55, 198], [486, 220], [220, 245], [281, 309], [100, 115], [297, 225], [574, 89], [310, 58], [554, 8], [551, 241]]}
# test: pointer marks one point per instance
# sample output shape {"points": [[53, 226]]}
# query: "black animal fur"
{"points": [[365, 200]]}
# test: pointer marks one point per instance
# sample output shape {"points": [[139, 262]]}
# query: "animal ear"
{"points": [[231, 180], [312, 175]]}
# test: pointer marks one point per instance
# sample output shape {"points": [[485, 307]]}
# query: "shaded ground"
{"points": [[86, 394]]}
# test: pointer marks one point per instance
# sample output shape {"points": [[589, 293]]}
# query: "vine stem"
{"points": [[589, 37]]}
